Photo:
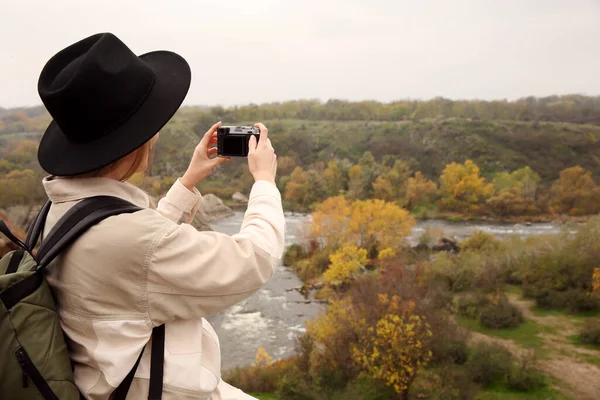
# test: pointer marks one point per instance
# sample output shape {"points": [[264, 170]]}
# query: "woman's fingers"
{"points": [[264, 133], [212, 150], [210, 133]]}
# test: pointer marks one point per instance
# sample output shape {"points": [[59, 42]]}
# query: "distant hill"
{"points": [[548, 134]]}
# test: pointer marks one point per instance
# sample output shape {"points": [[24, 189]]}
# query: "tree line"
{"points": [[459, 189]]}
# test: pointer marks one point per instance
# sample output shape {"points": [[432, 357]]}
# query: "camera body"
{"points": [[232, 141]]}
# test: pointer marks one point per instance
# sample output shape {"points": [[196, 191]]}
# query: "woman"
{"points": [[133, 272]]}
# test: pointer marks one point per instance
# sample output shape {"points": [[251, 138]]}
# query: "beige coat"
{"points": [[132, 272]]}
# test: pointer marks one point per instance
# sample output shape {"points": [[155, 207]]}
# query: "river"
{"points": [[273, 317]]}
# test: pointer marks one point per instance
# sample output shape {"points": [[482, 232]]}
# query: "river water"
{"points": [[274, 316]]}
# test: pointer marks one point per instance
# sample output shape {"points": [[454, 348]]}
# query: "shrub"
{"points": [[293, 253], [320, 259], [452, 383], [581, 301], [493, 310], [590, 333], [490, 363], [525, 377], [500, 313], [306, 270], [470, 304], [559, 272], [262, 376], [480, 240], [293, 387]]}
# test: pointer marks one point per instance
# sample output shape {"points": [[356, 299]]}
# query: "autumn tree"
{"points": [[285, 165], [345, 264], [390, 185], [383, 189], [394, 350], [420, 191], [330, 221], [295, 189], [369, 224], [462, 188], [305, 187], [575, 192]]}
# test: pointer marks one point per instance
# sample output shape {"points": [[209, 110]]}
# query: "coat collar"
{"points": [[60, 190]]}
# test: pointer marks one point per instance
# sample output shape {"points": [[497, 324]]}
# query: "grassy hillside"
{"points": [[430, 144]]}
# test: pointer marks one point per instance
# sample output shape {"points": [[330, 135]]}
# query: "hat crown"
{"points": [[93, 86]]}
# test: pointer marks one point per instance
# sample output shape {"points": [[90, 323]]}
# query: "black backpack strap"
{"points": [[76, 221], [157, 363], [4, 229], [120, 393], [73, 224], [14, 262], [37, 226]]}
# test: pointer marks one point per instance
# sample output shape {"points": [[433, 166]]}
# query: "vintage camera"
{"points": [[232, 141]]}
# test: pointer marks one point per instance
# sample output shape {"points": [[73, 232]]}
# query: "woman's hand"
{"points": [[262, 160], [201, 163]]}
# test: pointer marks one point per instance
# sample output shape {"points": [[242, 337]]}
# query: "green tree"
{"points": [[514, 192], [370, 171]]}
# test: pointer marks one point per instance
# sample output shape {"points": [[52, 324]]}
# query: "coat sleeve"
{"points": [[180, 204], [195, 274]]}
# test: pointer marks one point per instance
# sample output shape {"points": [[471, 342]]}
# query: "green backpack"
{"points": [[35, 361]]}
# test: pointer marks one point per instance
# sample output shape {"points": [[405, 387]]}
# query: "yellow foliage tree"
{"points": [[382, 189], [377, 223], [575, 192], [295, 190], [420, 191], [330, 221], [361, 223], [262, 358], [395, 348], [345, 263], [462, 188]]}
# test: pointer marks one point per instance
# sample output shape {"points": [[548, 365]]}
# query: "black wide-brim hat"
{"points": [[106, 102]]}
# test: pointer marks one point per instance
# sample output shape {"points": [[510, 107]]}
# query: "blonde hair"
{"points": [[139, 155]]}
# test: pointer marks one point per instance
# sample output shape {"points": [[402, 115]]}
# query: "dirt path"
{"points": [[565, 361]]}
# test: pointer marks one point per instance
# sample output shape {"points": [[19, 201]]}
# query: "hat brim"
{"points": [[61, 157]]}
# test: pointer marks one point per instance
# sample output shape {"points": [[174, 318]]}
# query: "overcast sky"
{"points": [[244, 51]]}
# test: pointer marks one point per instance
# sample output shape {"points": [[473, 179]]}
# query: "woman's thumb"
{"points": [[252, 144]]}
